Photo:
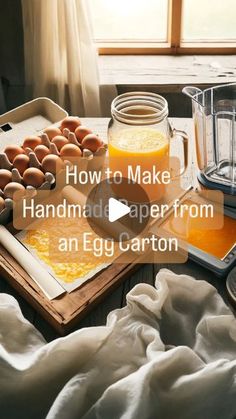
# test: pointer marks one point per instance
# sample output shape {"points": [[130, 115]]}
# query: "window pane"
{"points": [[211, 20], [129, 20]]}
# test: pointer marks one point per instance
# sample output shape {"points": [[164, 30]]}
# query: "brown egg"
{"points": [[5, 178], [21, 162], [71, 123], [13, 187], [52, 132], [92, 142], [2, 204], [12, 150], [52, 164], [70, 151], [31, 142], [41, 151], [33, 177], [60, 141], [81, 132]]}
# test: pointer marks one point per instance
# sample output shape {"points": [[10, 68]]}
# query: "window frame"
{"points": [[173, 46]]}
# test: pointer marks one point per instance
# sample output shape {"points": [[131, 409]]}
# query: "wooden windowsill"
{"points": [[166, 71]]}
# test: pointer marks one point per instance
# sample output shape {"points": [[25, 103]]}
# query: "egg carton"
{"points": [[32, 118], [89, 161], [49, 182], [95, 160]]}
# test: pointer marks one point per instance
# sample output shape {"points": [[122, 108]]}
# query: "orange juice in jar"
{"points": [[139, 137], [142, 147]]}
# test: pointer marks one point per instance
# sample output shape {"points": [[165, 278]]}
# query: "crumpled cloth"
{"points": [[170, 353]]}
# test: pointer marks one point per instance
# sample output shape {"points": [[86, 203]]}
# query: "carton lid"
{"points": [[28, 119]]}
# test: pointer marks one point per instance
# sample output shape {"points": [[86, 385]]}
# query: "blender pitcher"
{"points": [[214, 112]]}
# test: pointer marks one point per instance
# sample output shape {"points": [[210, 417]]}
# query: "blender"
{"points": [[214, 113]]}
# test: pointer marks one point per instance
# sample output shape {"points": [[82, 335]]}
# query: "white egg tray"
{"points": [[31, 119], [16, 177]]}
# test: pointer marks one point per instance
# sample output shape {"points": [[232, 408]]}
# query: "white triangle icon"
{"points": [[116, 210]]}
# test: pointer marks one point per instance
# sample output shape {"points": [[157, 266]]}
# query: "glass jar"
{"points": [[139, 135]]}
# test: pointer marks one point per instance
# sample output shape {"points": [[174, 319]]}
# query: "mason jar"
{"points": [[139, 135]]}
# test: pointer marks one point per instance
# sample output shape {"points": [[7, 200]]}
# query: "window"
{"points": [[164, 26]]}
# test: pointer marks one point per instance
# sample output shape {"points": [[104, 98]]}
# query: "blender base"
{"points": [[229, 198]]}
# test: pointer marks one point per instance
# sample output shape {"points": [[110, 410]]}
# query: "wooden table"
{"points": [[146, 273]]}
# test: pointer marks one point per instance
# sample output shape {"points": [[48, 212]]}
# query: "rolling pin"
{"points": [[46, 282]]}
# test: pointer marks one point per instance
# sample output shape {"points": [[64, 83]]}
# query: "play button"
{"points": [[112, 215], [116, 210]]}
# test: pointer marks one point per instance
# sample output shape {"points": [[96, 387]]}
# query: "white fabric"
{"points": [[60, 56], [170, 353]]}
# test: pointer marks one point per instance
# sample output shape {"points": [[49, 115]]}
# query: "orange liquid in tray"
{"points": [[216, 242], [142, 147]]}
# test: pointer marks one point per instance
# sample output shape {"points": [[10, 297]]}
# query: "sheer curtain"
{"points": [[60, 57]]}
